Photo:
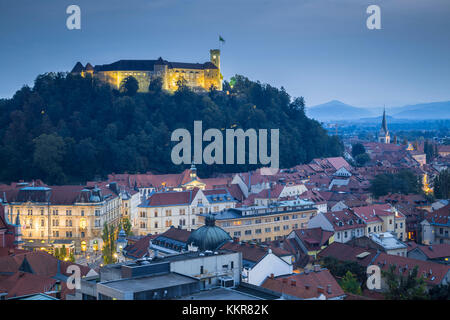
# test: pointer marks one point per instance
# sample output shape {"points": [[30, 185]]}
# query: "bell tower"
{"points": [[215, 57]]}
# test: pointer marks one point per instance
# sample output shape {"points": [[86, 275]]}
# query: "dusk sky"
{"points": [[319, 49]]}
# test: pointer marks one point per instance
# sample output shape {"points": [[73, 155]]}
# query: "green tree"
{"points": [[109, 244], [442, 185], [440, 292], [362, 159], [410, 287], [62, 128], [49, 150], [126, 225], [56, 253], [404, 182], [358, 149], [339, 268], [129, 86], [349, 283]]}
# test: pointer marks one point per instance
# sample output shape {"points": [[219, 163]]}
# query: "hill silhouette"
{"points": [[69, 129]]}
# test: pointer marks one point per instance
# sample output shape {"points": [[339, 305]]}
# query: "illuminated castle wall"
{"points": [[198, 76]]}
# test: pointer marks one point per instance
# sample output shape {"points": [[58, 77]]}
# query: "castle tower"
{"points": [[384, 136], [215, 57]]}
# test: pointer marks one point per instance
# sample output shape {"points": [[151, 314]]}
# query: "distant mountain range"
{"points": [[337, 111]]}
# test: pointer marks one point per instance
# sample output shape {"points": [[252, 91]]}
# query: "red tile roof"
{"points": [[435, 251], [440, 216], [344, 220], [140, 248], [344, 252], [250, 252], [171, 198], [23, 283], [181, 235], [314, 238], [306, 285], [40, 262], [433, 273]]}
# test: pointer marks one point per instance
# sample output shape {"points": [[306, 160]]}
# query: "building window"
{"points": [[156, 225], [82, 213], [237, 233], [168, 213], [201, 270], [276, 229], [267, 230], [142, 225], [258, 231], [285, 217], [276, 219], [97, 213], [68, 212], [286, 227], [248, 232]]}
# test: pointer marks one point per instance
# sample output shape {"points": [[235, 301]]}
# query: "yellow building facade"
{"points": [[197, 76], [73, 215], [263, 224]]}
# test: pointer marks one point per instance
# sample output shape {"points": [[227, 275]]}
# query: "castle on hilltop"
{"points": [[197, 76]]}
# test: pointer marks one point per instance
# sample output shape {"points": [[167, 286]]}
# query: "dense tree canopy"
{"points": [[71, 129], [358, 149], [404, 182], [442, 185]]}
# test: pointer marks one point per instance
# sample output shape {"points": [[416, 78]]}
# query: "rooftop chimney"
{"points": [[329, 289], [316, 268], [271, 276]]}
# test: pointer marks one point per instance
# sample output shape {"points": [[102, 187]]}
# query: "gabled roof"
{"points": [[314, 238], [78, 68], [344, 220], [140, 248]]}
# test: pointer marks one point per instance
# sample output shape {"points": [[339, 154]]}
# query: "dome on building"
{"points": [[209, 236]]}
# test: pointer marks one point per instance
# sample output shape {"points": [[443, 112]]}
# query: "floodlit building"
{"points": [[198, 76]]}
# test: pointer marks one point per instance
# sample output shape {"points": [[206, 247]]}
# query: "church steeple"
{"points": [[384, 123], [384, 136]]}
